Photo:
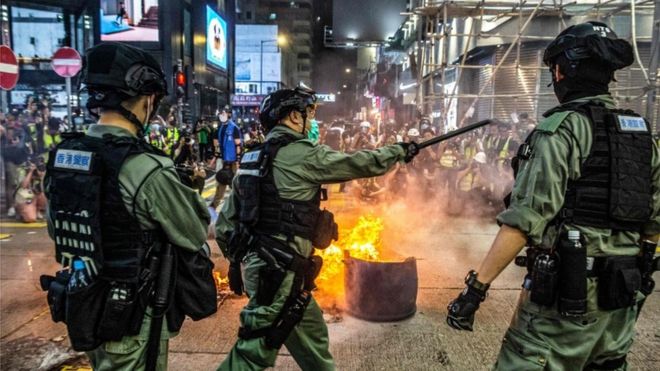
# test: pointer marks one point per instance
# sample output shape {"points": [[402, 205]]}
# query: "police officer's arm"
{"points": [[508, 243], [537, 197], [178, 209], [651, 230], [323, 165]]}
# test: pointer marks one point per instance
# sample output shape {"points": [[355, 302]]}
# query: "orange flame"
{"points": [[220, 282], [362, 242]]}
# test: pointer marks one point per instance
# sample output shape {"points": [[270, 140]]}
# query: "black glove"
{"points": [[411, 149], [235, 279], [460, 312]]}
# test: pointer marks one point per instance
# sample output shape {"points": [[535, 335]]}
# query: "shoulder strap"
{"points": [[272, 146]]}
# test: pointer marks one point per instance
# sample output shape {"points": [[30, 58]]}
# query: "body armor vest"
{"points": [[614, 188], [261, 208], [90, 219]]}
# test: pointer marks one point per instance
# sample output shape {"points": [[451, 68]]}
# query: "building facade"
{"points": [[194, 36]]}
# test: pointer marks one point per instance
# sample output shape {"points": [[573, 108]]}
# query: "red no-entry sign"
{"points": [[8, 68], [66, 62]]}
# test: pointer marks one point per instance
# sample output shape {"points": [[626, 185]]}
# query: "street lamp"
{"points": [[348, 70], [280, 41]]}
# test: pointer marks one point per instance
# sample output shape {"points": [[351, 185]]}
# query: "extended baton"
{"points": [[454, 133]]}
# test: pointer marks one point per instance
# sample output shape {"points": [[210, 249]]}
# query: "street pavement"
{"points": [[445, 249]]}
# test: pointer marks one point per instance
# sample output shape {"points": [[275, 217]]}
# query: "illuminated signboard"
{"points": [[129, 20], [326, 98], [216, 39]]}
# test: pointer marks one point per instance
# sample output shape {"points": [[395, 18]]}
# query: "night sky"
{"points": [[366, 20]]}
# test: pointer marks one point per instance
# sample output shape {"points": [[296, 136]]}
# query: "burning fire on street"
{"points": [[361, 242], [221, 283], [357, 272]]}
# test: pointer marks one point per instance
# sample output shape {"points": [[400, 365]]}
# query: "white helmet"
{"points": [[365, 124], [413, 132], [480, 158]]}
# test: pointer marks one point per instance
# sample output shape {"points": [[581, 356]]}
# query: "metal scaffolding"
{"points": [[437, 68]]}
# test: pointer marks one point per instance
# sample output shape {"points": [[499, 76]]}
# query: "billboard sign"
{"points": [[216, 39], [35, 33], [246, 99], [256, 45], [129, 20], [326, 98], [248, 67]]}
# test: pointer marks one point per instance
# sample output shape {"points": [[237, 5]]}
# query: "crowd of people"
{"points": [[26, 137], [469, 174], [473, 168], [469, 170]]}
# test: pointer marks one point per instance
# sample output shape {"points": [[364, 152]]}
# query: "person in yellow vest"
{"points": [[51, 139], [500, 145], [449, 158], [475, 186], [171, 138], [156, 139], [470, 145]]}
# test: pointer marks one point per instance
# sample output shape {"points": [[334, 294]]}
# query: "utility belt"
{"points": [[279, 259], [96, 310], [560, 278]]}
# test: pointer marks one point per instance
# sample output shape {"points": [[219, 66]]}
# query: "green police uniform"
{"points": [[161, 201], [538, 337], [299, 168]]}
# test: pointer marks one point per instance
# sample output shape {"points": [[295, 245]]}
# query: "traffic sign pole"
{"points": [[3, 98], [67, 63], [68, 103]]}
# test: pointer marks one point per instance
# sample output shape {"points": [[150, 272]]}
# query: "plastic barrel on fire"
{"points": [[380, 291]]}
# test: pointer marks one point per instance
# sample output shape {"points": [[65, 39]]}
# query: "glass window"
{"points": [[187, 33], [36, 32]]}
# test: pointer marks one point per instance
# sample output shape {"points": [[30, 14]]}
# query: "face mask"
{"points": [[224, 118], [561, 89]]}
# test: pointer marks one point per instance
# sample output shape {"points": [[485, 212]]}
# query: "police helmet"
{"points": [[280, 103], [113, 72], [593, 41], [480, 158], [365, 124]]}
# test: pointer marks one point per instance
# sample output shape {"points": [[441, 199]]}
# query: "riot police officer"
{"points": [[119, 215], [270, 225], [587, 200]]}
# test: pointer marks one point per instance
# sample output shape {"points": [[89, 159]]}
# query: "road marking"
{"points": [[208, 193], [22, 225], [4, 236]]}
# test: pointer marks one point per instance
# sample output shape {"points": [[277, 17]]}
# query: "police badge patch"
{"points": [[629, 124], [73, 160], [252, 156]]}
